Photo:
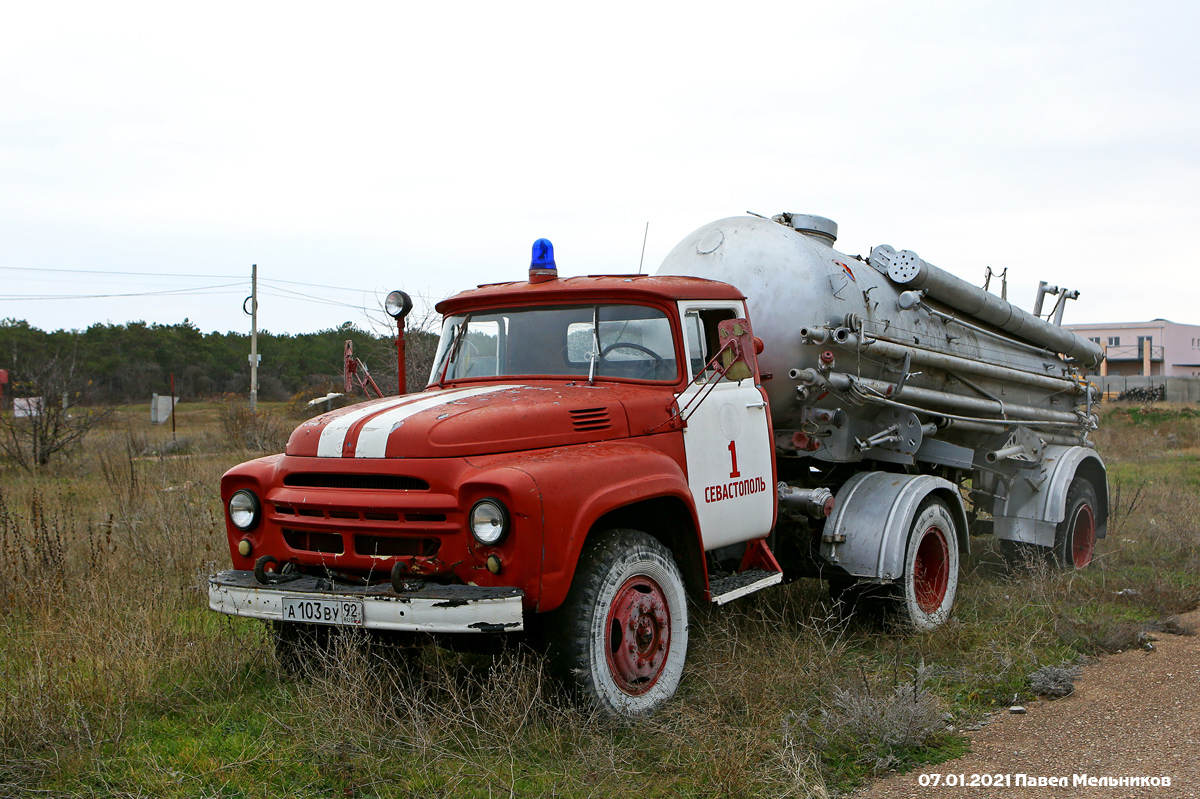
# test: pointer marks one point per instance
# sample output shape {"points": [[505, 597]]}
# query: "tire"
{"points": [[1075, 538], [625, 581], [930, 579]]}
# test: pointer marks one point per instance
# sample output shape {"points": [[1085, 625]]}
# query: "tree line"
{"points": [[129, 362]]}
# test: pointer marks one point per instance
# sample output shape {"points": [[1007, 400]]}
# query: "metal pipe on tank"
{"points": [[954, 363], [959, 402], [1049, 438], [1007, 452], [839, 381], [816, 502], [814, 335], [983, 331], [845, 336], [908, 269]]}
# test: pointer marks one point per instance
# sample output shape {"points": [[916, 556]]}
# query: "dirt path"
{"points": [[1135, 714]]}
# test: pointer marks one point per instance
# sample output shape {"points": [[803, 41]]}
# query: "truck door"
{"points": [[727, 437]]}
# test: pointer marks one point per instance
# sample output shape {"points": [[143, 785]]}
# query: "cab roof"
{"points": [[592, 287]]}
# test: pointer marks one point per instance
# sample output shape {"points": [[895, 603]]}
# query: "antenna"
{"points": [[644, 237]]}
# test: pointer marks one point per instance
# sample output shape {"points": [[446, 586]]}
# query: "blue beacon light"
{"points": [[542, 266]]}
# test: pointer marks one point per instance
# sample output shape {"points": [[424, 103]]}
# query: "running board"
{"points": [[737, 585]]}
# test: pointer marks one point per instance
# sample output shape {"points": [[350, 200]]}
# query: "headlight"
{"points": [[244, 509], [489, 521]]}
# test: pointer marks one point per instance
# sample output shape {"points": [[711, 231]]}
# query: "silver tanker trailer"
{"points": [[888, 376]]}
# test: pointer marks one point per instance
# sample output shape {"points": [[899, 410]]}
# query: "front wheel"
{"points": [[621, 634], [930, 567]]}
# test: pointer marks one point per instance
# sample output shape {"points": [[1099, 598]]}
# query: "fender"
{"points": [[868, 541], [582, 483], [1035, 506]]}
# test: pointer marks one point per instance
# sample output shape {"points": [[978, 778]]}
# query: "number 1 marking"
{"points": [[733, 456]]}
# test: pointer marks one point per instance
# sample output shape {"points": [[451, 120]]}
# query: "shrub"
{"points": [[881, 728], [1054, 681], [260, 431]]}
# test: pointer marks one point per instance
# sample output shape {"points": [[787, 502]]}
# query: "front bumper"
{"points": [[432, 609]]}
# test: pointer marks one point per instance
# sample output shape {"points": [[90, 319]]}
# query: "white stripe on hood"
{"points": [[372, 440]]}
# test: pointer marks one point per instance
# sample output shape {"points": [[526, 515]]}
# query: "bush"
{"points": [[260, 431], [1054, 681], [882, 729], [59, 425]]}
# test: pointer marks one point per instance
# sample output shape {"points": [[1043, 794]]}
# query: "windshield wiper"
{"points": [[452, 350], [595, 355]]}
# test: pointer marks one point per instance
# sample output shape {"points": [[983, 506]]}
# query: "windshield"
{"points": [[609, 341]]}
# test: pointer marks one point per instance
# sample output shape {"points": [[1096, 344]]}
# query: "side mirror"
{"points": [[738, 349]]}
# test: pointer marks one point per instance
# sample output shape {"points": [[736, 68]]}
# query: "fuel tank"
{"points": [[889, 337]]}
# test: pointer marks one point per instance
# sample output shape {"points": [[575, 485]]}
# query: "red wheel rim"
{"points": [[931, 570], [639, 635], [1083, 536]]}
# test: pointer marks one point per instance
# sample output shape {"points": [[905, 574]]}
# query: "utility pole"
{"points": [[254, 356]]}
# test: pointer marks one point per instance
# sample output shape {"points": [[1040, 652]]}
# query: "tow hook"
{"points": [[402, 580], [271, 577]]}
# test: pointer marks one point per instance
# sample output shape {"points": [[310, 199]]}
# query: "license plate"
{"points": [[323, 611]]}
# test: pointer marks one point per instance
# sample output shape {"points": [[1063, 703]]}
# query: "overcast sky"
{"points": [[367, 146]]}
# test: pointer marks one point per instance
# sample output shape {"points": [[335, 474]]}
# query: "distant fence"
{"points": [[1178, 389]]}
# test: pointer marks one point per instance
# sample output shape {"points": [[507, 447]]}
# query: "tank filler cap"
{"points": [[810, 225], [902, 267], [710, 241]]}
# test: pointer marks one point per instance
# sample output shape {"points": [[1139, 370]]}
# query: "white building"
{"points": [[1158, 347]]}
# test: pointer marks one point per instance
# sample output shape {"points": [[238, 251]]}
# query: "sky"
{"points": [[161, 149]]}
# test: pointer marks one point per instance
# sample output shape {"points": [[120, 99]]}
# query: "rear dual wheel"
{"points": [[930, 580], [924, 595], [1075, 538]]}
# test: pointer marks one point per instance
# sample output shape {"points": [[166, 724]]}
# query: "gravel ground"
{"points": [[1134, 714]]}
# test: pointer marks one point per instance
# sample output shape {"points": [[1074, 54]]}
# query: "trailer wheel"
{"points": [[930, 567], [621, 634], [1075, 538]]}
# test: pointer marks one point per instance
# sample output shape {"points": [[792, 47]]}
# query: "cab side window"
{"points": [[703, 341]]}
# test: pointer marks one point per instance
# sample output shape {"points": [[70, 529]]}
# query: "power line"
{"points": [[294, 293], [167, 292], [111, 273], [106, 272], [307, 298], [312, 285], [339, 288]]}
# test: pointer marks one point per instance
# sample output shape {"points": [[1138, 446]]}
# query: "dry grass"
{"points": [[257, 431], [102, 611], [116, 680]]}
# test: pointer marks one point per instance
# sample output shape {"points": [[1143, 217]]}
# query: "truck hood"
{"points": [[472, 420]]}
